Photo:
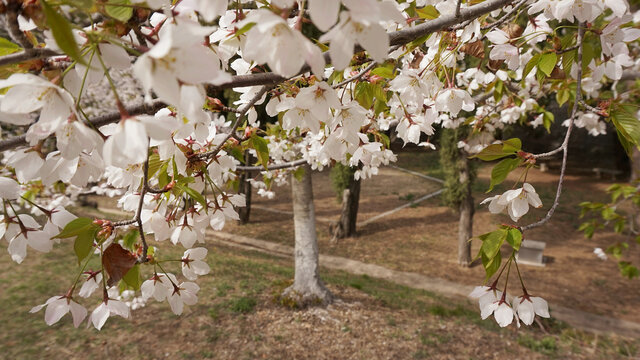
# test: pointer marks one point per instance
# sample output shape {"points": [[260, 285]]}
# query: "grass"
{"points": [[242, 282], [425, 162]]}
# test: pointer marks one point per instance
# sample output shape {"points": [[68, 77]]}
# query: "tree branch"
{"points": [[241, 115], [399, 38], [98, 121], [272, 167], [506, 17], [145, 181], [565, 144], [357, 76], [13, 27], [29, 54]]}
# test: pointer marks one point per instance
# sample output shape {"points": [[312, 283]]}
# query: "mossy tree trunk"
{"points": [[244, 187], [459, 176], [348, 188]]}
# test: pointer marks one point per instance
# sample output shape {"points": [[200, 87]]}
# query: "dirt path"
{"points": [[578, 319]]}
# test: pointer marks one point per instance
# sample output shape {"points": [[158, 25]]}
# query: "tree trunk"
{"points": [[465, 224], [346, 226], [635, 164], [244, 187], [307, 288]]}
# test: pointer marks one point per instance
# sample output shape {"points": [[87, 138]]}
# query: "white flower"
{"points": [[600, 254], [516, 201], [127, 145], [503, 314], [179, 57], [184, 234], [159, 286], [193, 264], [108, 307], [29, 93], [487, 299], [324, 13], [527, 307], [90, 285], [59, 306], [284, 49], [185, 293], [454, 100], [9, 189]]}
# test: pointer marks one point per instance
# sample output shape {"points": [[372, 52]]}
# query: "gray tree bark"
{"points": [[467, 207], [307, 288]]}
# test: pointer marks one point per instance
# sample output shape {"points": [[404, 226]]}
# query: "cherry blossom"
{"points": [[185, 293], [107, 308], [527, 307], [29, 93], [193, 264], [516, 201], [59, 306]]}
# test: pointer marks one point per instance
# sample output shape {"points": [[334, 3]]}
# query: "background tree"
{"points": [[347, 189], [307, 287], [459, 176]]}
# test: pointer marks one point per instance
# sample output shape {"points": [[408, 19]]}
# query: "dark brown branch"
{"points": [[287, 165], [13, 27], [145, 181], [565, 144], [98, 121], [29, 54], [399, 38]]}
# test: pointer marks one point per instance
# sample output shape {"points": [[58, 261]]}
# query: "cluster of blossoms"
{"points": [[173, 163], [522, 308]]}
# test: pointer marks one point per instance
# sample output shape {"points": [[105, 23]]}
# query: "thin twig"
{"points": [[241, 115], [567, 49], [565, 144], [458, 8], [272, 167], [503, 19], [29, 54], [145, 180], [357, 76]]}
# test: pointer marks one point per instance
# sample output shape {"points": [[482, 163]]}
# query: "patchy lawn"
{"points": [[237, 318], [423, 238]]}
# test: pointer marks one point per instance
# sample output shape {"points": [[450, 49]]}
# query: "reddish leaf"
{"points": [[117, 262]]}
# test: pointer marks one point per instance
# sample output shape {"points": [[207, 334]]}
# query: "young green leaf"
{"points": [[428, 12], [492, 265], [502, 169], [120, 10], [547, 63], [133, 278], [262, 150], [7, 47], [514, 238], [193, 194], [491, 242], [76, 227], [491, 152], [61, 31], [533, 62], [83, 244]]}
